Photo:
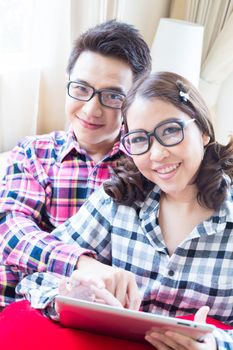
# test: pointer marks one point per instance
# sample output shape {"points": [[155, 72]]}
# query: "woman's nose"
{"points": [[157, 151]]}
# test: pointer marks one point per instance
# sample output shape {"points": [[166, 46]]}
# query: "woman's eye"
{"points": [[138, 139], [171, 130]]}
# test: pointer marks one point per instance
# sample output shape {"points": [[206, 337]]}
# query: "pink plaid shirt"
{"points": [[48, 179]]}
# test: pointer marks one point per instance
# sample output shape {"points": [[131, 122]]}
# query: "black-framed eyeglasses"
{"points": [[83, 92], [168, 134]]}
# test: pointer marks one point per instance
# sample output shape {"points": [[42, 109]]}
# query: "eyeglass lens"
{"points": [[168, 134], [108, 98]]}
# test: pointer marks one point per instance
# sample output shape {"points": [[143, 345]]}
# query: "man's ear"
{"points": [[206, 139]]}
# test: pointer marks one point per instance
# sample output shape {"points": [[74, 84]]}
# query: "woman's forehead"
{"points": [[152, 110]]}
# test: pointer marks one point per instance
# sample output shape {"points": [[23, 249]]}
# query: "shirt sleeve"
{"points": [[90, 229], [40, 289], [23, 244], [224, 339]]}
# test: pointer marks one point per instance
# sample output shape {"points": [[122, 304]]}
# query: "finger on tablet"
{"points": [[106, 296], [121, 291], [134, 299], [62, 288], [79, 277]]}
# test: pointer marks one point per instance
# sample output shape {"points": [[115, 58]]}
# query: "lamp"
{"points": [[177, 48]]}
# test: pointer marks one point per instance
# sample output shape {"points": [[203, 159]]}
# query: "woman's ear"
{"points": [[206, 139]]}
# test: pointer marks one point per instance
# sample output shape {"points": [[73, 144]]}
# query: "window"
{"points": [[15, 23]]}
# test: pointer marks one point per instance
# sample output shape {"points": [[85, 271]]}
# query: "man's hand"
{"points": [[120, 283]]}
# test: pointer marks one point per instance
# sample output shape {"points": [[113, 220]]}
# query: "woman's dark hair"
{"points": [[216, 170], [114, 39]]}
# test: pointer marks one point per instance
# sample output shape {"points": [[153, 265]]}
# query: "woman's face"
{"points": [[174, 168]]}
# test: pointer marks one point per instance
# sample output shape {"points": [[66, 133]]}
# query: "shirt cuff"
{"points": [[224, 339], [63, 259]]}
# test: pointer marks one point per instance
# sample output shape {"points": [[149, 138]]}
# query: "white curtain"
{"points": [[51, 47], [217, 78], [218, 64], [19, 97], [210, 13], [217, 58], [32, 84]]}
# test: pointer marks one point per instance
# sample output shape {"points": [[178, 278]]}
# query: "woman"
{"points": [[165, 220]]}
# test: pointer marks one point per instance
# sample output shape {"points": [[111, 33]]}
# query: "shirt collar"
{"points": [[151, 203], [226, 210], [72, 146], [215, 223]]}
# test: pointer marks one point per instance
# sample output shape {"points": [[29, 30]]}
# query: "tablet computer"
{"points": [[122, 323]]}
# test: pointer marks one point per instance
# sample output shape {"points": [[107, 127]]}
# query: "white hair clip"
{"points": [[184, 95]]}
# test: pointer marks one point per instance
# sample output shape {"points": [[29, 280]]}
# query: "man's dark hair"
{"points": [[114, 39]]}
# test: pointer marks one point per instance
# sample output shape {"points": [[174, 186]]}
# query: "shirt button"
{"points": [[171, 273]]}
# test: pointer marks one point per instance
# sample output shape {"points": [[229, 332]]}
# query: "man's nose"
{"points": [[93, 106]]}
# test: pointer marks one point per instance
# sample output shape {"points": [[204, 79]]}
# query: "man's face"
{"points": [[97, 127]]}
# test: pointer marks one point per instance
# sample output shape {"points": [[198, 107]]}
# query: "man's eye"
{"points": [[81, 89], [112, 96]]}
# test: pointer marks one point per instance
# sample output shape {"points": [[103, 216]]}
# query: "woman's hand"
{"points": [[120, 283], [87, 287], [172, 340]]}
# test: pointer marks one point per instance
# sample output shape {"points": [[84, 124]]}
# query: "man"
{"points": [[50, 176]]}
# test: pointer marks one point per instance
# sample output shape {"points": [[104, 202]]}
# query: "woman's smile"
{"points": [[168, 171]]}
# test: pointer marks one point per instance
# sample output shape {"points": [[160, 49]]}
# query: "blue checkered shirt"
{"points": [[198, 273]]}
